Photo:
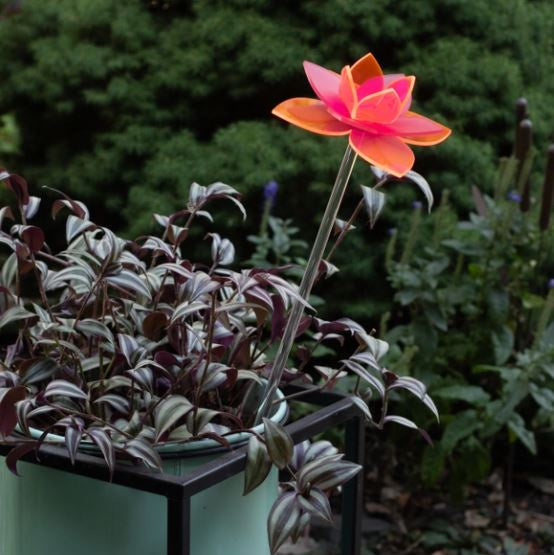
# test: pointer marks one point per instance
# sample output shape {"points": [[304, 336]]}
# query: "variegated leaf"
{"points": [[169, 412], [257, 466], [425, 188], [63, 388], [374, 202], [283, 519], [279, 443]]}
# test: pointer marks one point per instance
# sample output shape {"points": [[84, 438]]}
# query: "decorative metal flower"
{"points": [[372, 108]]}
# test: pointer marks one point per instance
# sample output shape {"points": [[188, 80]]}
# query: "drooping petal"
{"points": [[312, 115], [416, 129], [366, 68], [386, 152], [347, 89], [325, 84], [380, 107]]}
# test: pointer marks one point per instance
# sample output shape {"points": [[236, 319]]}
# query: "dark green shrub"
{"points": [[476, 298], [125, 104]]}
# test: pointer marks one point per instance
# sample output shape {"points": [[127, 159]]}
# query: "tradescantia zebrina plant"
{"points": [[124, 346]]}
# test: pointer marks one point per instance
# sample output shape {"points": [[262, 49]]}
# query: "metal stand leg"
{"points": [[178, 526], [353, 491]]}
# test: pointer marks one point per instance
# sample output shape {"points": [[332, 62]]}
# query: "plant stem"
{"points": [[308, 279], [345, 229], [352, 219]]}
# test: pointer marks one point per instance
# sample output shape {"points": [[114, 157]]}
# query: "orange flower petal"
{"points": [[365, 68], [380, 107], [347, 88], [416, 129], [386, 152], [312, 115]]}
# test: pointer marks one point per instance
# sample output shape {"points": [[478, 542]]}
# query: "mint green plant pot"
{"points": [[50, 512]]}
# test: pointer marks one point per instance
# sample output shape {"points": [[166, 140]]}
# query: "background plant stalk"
{"points": [[308, 279]]}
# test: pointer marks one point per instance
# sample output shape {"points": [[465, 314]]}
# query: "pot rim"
{"points": [[193, 448]]}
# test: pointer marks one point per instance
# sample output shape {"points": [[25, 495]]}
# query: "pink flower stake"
{"points": [[373, 110]]}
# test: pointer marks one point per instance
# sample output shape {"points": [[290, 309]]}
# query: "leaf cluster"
{"points": [[123, 346]]}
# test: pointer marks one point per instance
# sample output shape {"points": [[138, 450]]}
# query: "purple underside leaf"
{"points": [[33, 237], [17, 453], [8, 412], [18, 186], [283, 519], [77, 207], [153, 325]]}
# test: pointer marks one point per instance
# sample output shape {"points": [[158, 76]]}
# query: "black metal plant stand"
{"points": [[336, 410]]}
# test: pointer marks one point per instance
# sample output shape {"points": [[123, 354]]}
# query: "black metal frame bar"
{"points": [[336, 410]]}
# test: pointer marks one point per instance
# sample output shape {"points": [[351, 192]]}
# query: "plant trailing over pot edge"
{"points": [[128, 346]]}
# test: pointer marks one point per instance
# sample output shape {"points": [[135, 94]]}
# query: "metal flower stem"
{"points": [[308, 280]]}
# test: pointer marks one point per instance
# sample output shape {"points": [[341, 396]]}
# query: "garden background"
{"points": [[124, 104]]}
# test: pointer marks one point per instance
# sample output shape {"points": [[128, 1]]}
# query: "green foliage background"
{"points": [[124, 104]]}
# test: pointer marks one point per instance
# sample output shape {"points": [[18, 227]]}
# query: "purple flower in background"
{"points": [[417, 205], [270, 192], [391, 231], [514, 196], [551, 283]]}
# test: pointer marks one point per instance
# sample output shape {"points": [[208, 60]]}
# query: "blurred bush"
{"points": [[473, 318], [9, 138], [124, 104]]}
